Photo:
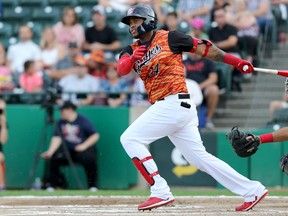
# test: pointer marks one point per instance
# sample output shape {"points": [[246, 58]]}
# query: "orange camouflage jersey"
{"points": [[161, 69]]}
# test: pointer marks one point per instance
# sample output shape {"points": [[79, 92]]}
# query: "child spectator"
{"points": [[30, 80], [6, 81], [198, 28]]}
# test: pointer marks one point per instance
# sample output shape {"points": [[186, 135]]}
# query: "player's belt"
{"points": [[180, 96]]}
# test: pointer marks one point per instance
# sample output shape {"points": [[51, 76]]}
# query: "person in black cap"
{"points": [[100, 36], [79, 136]]}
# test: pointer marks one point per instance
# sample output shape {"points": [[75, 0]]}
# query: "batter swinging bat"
{"points": [[272, 71]]}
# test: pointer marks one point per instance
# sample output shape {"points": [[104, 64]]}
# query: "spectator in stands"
{"points": [[97, 65], [76, 135], [51, 51], [262, 11], [225, 37], [115, 87], [22, 51], [30, 80], [171, 22], [118, 5], [101, 35], [217, 5], [248, 29], [194, 91], [6, 81], [80, 87], [65, 66], [277, 104], [3, 140], [139, 96], [203, 71], [188, 10], [280, 13], [68, 29], [198, 31]]}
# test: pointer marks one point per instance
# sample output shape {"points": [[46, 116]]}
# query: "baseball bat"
{"points": [[283, 73]]}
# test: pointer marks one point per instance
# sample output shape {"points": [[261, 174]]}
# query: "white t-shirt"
{"points": [[73, 83], [21, 52], [194, 91], [49, 57]]}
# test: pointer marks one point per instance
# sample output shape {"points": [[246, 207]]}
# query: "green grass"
{"points": [[176, 192]]}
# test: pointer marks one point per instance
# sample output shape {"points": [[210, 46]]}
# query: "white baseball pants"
{"points": [[180, 124]]}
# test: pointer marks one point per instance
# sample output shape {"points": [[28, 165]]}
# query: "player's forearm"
{"points": [[214, 53], [91, 140], [125, 65], [276, 136]]}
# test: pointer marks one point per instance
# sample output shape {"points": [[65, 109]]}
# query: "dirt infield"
{"points": [[127, 206]]}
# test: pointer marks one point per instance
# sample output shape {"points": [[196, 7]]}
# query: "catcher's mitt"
{"points": [[242, 146], [284, 164]]}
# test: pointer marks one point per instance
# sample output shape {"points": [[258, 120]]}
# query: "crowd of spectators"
{"points": [[72, 55]]}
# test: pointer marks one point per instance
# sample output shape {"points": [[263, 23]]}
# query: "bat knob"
{"points": [[245, 67]]}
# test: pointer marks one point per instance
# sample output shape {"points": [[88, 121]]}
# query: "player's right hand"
{"points": [[139, 53], [245, 66]]}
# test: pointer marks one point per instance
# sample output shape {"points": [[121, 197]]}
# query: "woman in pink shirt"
{"points": [[68, 29], [30, 80]]}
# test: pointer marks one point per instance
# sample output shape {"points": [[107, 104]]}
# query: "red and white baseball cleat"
{"points": [[246, 206], [154, 202]]}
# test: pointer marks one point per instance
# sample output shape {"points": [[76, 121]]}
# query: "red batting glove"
{"points": [[139, 53], [242, 65], [126, 63]]}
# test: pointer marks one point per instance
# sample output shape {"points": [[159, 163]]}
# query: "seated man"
{"points": [[203, 71], [81, 87], [79, 136]]}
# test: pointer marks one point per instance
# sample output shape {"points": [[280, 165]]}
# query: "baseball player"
{"points": [[156, 56]]}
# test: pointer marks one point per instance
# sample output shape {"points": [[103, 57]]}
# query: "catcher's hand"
{"points": [[243, 144]]}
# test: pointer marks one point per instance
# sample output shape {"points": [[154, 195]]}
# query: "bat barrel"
{"points": [[265, 70]]}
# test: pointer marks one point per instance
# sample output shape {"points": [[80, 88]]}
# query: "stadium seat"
{"points": [[17, 14], [6, 30], [87, 2], [112, 16], [84, 14], [62, 3], [32, 3], [46, 15], [9, 3], [224, 77], [120, 28], [184, 27]]}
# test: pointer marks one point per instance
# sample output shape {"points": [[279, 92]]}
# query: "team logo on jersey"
{"points": [[147, 58]]}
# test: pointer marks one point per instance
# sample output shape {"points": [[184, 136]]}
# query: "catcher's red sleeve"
{"points": [[266, 138], [125, 65]]}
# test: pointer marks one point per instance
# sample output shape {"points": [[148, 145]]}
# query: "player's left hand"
{"points": [[80, 148], [244, 66]]}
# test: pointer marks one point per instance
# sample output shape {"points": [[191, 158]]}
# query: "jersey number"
{"points": [[154, 71]]}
